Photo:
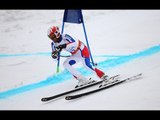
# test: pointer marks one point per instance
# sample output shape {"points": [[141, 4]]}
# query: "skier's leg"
{"points": [[87, 64], [68, 64]]}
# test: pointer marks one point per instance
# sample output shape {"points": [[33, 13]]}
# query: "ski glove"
{"points": [[54, 54], [60, 47]]}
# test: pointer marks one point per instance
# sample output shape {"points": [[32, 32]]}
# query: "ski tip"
{"points": [[139, 75], [43, 99], [68, 98]]}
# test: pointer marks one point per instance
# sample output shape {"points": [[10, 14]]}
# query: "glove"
{"points": [[54, 54], [60, 47]]}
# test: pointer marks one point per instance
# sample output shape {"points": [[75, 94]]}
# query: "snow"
{"points": [[123, 42]]}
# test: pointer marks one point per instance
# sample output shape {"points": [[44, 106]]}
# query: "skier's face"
{"points": [[53, 38]]}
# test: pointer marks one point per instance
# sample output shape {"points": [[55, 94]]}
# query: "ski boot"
{"points": [[84, 81], [105, 79]]}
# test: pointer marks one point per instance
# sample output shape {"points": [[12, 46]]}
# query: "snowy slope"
{"points": [[122, 41]]}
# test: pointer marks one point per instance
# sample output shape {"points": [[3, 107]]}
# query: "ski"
{"points": [[113, 83], [45, 99]]}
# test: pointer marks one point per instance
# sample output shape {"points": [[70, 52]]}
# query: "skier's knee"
{"points": [[70, 63]]}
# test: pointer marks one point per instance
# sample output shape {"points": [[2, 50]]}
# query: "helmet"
{"points": [[54, 30]]}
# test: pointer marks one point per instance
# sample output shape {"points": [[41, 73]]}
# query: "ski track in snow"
{"points": [[106, 64]]}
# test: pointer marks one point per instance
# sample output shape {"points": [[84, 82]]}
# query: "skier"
{"points": [[79, 52]]}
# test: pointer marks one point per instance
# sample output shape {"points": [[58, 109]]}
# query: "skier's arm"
{"points": [[55, 51], [72, 43], [73, 47], [60, 47]]}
